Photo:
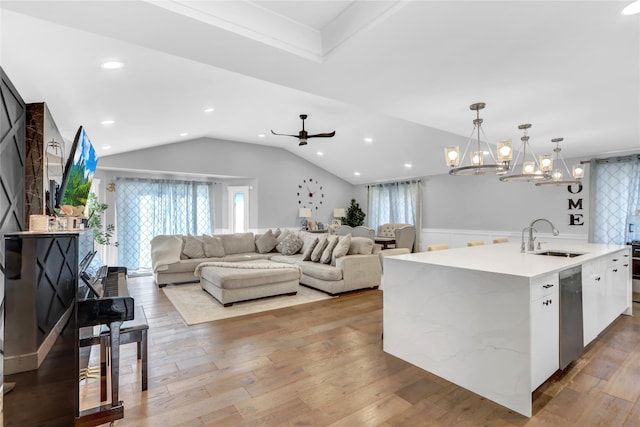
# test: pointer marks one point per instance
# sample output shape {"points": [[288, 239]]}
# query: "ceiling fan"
{"points": [[303, 135]]}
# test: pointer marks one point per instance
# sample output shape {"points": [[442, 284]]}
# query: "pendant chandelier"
{"points": [[476, 157], [558, 176], [532, 169]]}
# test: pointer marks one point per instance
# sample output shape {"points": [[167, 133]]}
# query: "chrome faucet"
{"points": [[522, 246], [531, 246]]}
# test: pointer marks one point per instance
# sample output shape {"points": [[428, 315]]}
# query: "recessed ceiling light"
{"points": [[320, 153], [209, 110], [408, 165], [261, 135], [107, 122], [112, 65], [106, 147], [184, 134], [356, 173], [369, 140], [632, 9]]}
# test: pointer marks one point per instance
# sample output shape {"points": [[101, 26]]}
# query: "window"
{"points": [[146, 208], [614, 198], [396, 203], [238, 209]]}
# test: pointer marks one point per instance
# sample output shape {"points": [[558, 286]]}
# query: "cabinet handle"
{"points": [[625, 265], [547, 302], [548, 285], [598, 279], [626, 255], [615, 270], [614, 260]]}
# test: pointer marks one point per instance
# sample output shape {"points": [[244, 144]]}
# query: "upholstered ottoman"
{"points": [[230, 282]]}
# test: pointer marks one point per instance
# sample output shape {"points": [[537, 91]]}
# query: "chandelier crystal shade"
{"points": [[557, 176], [477, 165], [532, 169]]}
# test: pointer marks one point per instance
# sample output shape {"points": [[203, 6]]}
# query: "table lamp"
{"points": [[304, 213]]}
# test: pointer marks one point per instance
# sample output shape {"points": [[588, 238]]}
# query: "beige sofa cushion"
{"points": [[332, 241], [238, 243], [312, 242], [320, 271], [287, 259], [193, 247], [360, 246], [317, 251], [341, 249], [266, 242], [212, 246]]}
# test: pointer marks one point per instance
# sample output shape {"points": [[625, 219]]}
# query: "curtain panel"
{"points": [[397, 203], [615, 197], [146, 208]]}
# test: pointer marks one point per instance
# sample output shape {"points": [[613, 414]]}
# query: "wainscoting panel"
{"points": [[458, 238], [12, 134]]}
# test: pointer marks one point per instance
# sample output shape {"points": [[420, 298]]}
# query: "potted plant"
{"points": [[355, 215], [102, 235]]}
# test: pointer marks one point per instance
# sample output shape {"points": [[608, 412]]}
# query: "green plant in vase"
{"points": [[102, 235]]}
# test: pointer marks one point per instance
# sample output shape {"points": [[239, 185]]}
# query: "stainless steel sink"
{"points": [[559, 253]]}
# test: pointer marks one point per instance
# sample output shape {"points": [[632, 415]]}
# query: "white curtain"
{"points": [[146, 208], [614, 198], [396, 203]]}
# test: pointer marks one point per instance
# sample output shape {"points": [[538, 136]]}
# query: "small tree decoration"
{"points": [[102, 235], [355, 216]]}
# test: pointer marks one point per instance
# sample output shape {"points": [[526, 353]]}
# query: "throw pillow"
{"points": [[308, 239], [277, 232], [193, 247], [266, 242], [282, 235], [332, 241], [317, 251], [341, 249], [290, 245], [303, 236], [213, 246], [306, 254], [360, 246]]}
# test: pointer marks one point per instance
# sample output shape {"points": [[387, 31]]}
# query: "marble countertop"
{"points": [[506, 258]]}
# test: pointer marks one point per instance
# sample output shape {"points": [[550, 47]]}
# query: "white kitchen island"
{"points": [[487, 317]]}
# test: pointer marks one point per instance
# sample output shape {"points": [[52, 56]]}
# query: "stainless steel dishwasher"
{"points": [[571, 343]]}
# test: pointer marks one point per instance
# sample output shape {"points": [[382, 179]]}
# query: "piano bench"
{"points": [[131, 331]]}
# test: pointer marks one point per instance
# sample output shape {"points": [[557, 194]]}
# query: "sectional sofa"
{"points": [[345, 263]]}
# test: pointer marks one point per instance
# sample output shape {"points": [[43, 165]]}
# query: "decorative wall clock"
{"points": [[310, 194]]}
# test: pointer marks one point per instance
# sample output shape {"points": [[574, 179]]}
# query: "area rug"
{"points": [[197, 306]]}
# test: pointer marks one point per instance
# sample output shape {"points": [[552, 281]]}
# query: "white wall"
{"points": [[273, 173], [457, 209]]}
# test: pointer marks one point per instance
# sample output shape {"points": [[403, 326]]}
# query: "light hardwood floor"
{"points": [[322, 364]]}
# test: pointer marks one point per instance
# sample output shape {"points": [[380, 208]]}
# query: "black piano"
{"points": [[103, 299], [52, 296]]}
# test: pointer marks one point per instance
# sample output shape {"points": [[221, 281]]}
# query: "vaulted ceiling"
{"points": [[394, 79]]}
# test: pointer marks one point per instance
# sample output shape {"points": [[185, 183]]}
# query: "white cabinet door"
{"points": [[592, 282], [545, 329], [617, 275]]}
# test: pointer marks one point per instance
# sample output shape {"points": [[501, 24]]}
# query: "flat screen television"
{"points": [[78, 172]]}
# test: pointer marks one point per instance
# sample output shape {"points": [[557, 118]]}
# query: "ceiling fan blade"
{"points": [[283, 134], [323, 135]]}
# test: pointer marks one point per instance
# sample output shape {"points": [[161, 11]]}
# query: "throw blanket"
{"points": [[244, 265], [165, 250]]}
